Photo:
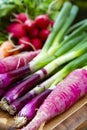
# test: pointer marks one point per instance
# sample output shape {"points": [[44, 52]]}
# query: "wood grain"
{"points": [[66, 120], [69, 120], [83, 126], [72, 122]]}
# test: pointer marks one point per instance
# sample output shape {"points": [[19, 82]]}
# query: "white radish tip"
{"points": [[20, 121], [30, 44], [16, 48], [16, 20], [9, 38], [38, 122], [19, 47]]}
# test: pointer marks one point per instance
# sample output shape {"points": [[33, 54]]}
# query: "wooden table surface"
{"points": [[73, 119]]}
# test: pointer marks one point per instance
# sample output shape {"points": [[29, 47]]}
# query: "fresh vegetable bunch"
{"points": [[29, 33], [24, 87], [32, 8]]}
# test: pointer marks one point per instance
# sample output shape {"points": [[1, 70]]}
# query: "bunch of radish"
{"points": [[30, 34]]}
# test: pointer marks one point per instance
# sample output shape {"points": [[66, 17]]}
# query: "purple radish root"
{"points": [[29, 110]]}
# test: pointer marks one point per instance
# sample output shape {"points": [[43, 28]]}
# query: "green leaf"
{"points": [[56, 4], [53, 15], [18, 2], [5, 9]]}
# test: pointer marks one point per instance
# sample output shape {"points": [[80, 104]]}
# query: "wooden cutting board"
{"points": [[73, 119]]}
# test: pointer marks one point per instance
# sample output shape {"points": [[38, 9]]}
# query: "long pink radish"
{"points": [[14, 62], [66, 93]]}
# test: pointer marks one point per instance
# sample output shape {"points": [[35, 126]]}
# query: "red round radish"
{"points": [[34, 32], [37, 43], [44, 34], [29, 25], [22, 17], [16, 29], [42, 21], [25, 43]]}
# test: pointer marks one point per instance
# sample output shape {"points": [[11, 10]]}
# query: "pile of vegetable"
{"points": [[29, 22], [30, 34], [58, 71]]}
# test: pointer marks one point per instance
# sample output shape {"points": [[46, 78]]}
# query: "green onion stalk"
{"points": [[64, 18], [50, 83]]}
